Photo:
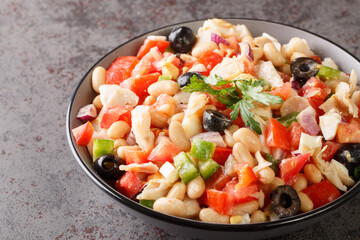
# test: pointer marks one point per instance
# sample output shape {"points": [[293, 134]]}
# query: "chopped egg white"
{"points": [[169, 172], [309, 143], [329, 124]]}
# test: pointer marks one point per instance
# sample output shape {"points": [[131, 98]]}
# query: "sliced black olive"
{"points": [[185, 79], [107, 166], [349, 155], [182, 39], [215, 121], [285, 201], [304, 68]]}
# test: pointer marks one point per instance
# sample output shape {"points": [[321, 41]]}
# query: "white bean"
{"points": [[209, 215], [306, 203], [245, 208], [171, 206], [119, 142], [248, 138], [242, 154], [97, 103], [168, 87], [159, 120], [178, 117], [118, 129], [258, 217], [266, 175], [192, 125], [178, 136], [192, 208], [121, 150], [195, 188], [312, 173], [98, 78], [149, 100], [273, 55], [300, 182], [178, 190]]}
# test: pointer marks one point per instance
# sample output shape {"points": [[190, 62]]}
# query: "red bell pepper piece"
{"points": [[149, 44], [245, 174], [322, 193], [221, 154], [331, 149]]}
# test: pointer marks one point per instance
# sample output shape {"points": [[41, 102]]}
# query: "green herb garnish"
{"points": [[250, 90], [275, 163]]}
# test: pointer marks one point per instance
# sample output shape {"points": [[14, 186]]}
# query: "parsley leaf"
{"points": [[250, 90], [275, 163]]}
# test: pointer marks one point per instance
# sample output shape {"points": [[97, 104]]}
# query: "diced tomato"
{"points": [[322, 193], [284, 91], [277, 135], [164, 152], [136, 156], [221, 154], [316, 58], [315, 91], [349, 133], [241, 194], [129, 184], [213, 101], [245, 174], [238, 121], [290, 167], [83, 133], [330, 151], [284, 76], [120, 69], [149, 44], [218, 180], [117, 113], [140, 84], [219, 201], [209, 59], [295, 131]]}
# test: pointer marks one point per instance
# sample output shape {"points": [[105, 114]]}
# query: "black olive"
{"points": [[185, 79], [349, 155], [182, 39], [285, 201], [304, 68], [107, 166], [215, 121]]}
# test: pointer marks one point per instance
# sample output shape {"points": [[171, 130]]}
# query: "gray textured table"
{"points": [[46, 47]]}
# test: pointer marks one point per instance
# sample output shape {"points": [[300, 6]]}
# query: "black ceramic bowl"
{"points": [[84, 94]]}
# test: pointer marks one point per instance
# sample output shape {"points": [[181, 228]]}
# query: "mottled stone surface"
{"points": [[46, 47]]}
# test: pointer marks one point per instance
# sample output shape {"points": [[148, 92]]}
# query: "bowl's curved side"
{"points": [[84, 93]]}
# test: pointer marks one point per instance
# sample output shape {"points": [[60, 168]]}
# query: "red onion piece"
{"points": [[130, 140], [307, 120], [213, 137], [87, 113], [246, 51], [218, 39], [295, 85]]}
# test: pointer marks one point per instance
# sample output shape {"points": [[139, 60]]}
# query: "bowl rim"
{"points": [[196, 223]]}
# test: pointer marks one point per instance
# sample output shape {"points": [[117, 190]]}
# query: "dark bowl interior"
{"points": [[84, 94]]}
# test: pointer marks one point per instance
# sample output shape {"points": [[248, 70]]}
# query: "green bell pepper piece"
{"points": [[102, 147], [207, 168], [201, 149], [288, 119], [328, 73], [186, 168], [147, 203], [163, 77]]}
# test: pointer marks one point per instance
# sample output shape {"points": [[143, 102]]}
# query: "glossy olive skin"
{"points": [[285, 201], [109, 173], [185, 79], [215, 121], [303, 68], [182, 39], [349, 155]]}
